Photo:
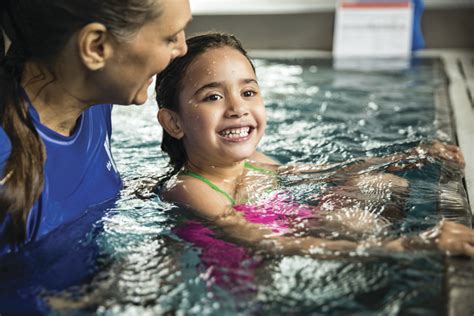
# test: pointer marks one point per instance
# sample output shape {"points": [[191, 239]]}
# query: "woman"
{"points": [[67, 63]]}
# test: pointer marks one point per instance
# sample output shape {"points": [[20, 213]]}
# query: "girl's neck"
{"points": [[57, 109], [218, 173]]}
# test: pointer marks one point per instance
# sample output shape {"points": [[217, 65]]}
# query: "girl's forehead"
{"points": [[216, 54], [219, 59]]}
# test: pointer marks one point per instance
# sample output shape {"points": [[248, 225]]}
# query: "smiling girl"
{"points": [[213, 116]]}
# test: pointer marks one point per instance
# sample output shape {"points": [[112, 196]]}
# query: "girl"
{"points": [[65, 57], [213, 116]]}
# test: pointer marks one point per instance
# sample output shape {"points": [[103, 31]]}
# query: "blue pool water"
{"points": [[132, 263]]}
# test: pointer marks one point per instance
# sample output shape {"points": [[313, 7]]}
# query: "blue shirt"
{"points": [[79, 173]]}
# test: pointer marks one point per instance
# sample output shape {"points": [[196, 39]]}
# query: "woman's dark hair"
{"points": [[38, 31], [169, 85]]}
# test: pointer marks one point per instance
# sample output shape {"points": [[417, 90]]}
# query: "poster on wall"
{"points": [[381, 29]]}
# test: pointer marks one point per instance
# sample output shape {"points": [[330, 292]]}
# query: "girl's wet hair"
{"points": [[169, 83], [38, 31]]}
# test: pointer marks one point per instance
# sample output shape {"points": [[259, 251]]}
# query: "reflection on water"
{"points": [[141, 263]]}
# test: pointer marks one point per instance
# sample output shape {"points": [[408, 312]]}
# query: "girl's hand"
{"points": [[455, 239], [449, 237], [450, 153]]}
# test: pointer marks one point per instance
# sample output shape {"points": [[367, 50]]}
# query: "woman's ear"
{"points": [[169, 120], [95, 46]]}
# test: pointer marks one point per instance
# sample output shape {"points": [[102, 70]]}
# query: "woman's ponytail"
{"points": [[22, 178]]}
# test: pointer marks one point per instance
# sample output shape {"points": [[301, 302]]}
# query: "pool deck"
{"points": [[459, 66]]}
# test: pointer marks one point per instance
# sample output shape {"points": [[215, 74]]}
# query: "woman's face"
{"points": [[127, 76], [221, 110]]}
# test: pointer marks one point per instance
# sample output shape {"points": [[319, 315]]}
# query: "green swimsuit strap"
{"points": [[219, 190], [249, 166], [209, 183]]}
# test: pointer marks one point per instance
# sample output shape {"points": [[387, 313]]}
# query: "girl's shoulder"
{"points": [[195, 194]]}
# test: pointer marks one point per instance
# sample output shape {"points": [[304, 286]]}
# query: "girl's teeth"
{"points": [[236, 132]]}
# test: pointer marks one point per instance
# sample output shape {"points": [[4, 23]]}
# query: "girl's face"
{"points": [[221, 110], [135, 62]]}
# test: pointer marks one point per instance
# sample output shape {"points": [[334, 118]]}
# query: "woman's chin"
{"points": [[140, 100], [141, 97]]}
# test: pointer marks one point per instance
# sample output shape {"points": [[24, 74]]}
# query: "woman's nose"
{"points": [[181, 47]]}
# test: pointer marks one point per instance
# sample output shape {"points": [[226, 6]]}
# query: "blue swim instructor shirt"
{"points": [[79, 172]]}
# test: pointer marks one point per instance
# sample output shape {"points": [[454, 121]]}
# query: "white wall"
{"points": [[205, 7]]}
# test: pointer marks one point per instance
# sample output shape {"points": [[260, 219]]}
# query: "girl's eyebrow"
{"points": [[220, 84]]}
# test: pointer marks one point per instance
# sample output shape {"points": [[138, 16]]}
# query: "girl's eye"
{"points": [[249, 93], [213, 97]]}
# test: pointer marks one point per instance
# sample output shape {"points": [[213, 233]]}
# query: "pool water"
{"points": [[133, 262]]}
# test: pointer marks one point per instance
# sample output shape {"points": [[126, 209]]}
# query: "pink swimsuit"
{"points": [[230, 265], [277, 212]]}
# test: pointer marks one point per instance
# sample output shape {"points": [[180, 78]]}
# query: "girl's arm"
{"points": [[450, 237], [237, 228], [395, 162], [213, 207]]}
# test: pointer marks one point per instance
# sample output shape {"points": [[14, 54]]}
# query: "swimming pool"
{"points": [[132, 262]]}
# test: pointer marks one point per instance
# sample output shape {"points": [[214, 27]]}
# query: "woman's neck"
{"points": [[57, 109]]}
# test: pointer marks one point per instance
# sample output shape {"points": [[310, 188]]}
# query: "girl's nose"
{"points": [[236, 107]]}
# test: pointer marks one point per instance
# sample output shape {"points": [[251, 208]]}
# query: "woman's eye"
{"points": [[249, 93], [173, 39], [213, 97]]}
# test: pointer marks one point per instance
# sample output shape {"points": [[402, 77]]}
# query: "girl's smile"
{"points": [[236, 134]]}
